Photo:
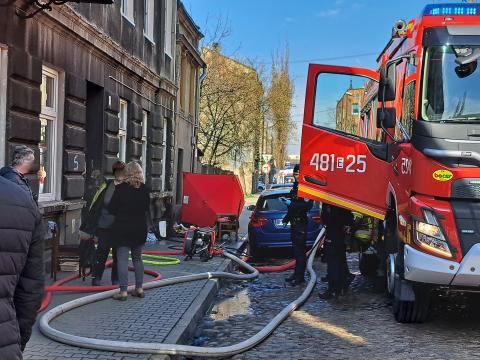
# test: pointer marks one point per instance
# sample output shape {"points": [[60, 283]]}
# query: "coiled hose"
{"points": [[176, 349]]}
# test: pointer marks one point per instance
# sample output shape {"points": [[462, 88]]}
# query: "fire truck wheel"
{"points": [[412, 311]]}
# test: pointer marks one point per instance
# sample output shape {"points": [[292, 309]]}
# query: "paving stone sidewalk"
{"points": [[167, 314]]}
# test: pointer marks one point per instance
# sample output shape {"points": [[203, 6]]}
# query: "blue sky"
{"points": [[317, 31]]}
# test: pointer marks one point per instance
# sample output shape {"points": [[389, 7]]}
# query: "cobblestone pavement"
{"points": [[149, 320], [357, 326]]}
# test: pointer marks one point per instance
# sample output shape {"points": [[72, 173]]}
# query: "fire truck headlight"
{"points": [[429, 236], [430, 230]]}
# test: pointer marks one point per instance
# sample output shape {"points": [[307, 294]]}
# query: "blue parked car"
{"points": [[266, 229]]}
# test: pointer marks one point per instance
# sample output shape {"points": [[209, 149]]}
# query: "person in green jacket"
{"points": [[99, 223]]}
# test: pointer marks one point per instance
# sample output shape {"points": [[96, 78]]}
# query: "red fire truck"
{"points": [[406, 152]]}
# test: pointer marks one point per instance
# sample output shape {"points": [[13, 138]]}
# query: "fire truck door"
{"points": [[338, 166]]}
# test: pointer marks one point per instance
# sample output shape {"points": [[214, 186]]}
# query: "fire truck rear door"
{"points": [[342, 162]]}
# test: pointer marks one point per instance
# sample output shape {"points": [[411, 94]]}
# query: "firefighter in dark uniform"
{"points": [[297, 217], [338, 222]]}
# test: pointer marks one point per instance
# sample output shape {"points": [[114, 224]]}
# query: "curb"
{"points": [[184, 330]]}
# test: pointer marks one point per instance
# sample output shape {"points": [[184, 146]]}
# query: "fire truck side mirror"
{"points": [[386, 118], [386, 87]]}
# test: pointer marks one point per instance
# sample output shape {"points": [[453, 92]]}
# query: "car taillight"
{"points": [[258, 222], [317, 220]]}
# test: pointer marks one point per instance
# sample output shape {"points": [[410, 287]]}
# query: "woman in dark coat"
{"points": [[129, 204]]}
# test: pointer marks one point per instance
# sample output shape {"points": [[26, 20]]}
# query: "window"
{"points": [[355, 110], [127, 8], [339, 102], [404, 129], [168, 27], [144, 142], [164, 155], [186, 84], [122, 130], [49, 166], [192, 90], [183, 75], [148, 16]]}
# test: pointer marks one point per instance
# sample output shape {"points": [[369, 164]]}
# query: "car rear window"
{"points": [[272, 203]]}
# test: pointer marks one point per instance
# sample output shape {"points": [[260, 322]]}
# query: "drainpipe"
{"points": [[197, 115]]}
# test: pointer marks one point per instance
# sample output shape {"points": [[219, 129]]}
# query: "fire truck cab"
{"points": [[402, 144]]}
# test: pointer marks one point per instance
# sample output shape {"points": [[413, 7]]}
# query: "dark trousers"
{"points": [[105, 244], [337, 268], [299, 242]]}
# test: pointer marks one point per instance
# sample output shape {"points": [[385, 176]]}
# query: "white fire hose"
{"points": [[176, 349]]}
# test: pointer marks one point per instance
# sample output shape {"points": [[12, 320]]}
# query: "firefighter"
{"points": [[338, 222], [297, 216]]}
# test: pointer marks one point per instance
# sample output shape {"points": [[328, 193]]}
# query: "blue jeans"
{"points": [[122, 266]]}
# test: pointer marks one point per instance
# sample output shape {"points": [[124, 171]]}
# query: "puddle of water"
{"points": [[238, 304], [200, 340]]}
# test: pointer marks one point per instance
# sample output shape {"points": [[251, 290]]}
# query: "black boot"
{"points": [[328, 294], [297, 282], [290, 278], [348, 281]]}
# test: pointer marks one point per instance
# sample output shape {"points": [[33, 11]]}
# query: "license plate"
{"points": [[279, 224]]}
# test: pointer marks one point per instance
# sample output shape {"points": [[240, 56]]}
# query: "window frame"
{"points": [[168, 28], [52, 114], [144, 141], [149, 16], [122, 130], [164, 154], [129, 15]]}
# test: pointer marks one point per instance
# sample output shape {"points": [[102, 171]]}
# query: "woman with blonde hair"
{"points": [[129, 204]]}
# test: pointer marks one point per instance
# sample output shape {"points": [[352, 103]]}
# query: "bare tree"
{"points": [[279, 99], [230, 108]]}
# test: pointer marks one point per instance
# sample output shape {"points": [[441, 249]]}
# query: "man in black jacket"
{"points": [[297, 217], [21, 268], [22, 163]]}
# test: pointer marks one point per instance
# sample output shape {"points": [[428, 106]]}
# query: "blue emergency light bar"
{"points": [[464, 9]]}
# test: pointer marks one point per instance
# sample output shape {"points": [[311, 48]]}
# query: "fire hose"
{"points": [[176, 349], [59, 286]]}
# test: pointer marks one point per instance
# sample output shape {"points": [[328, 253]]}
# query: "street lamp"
{"points": [[47, 5]]}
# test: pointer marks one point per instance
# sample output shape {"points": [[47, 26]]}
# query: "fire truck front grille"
{"points": [[466, 189], [467, 218]]}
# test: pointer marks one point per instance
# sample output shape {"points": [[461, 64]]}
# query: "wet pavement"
{"points": [[358, 325]]}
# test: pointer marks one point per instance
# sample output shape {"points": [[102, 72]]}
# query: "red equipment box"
{"points": [[207, 198]]}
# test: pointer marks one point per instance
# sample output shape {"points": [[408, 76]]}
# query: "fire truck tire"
{"points": [[412, 311]]}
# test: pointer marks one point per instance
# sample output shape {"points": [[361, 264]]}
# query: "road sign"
{"points": [[266, 157], [266, 168]]}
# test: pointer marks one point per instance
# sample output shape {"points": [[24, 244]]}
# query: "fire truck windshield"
{"points": [[451, 88]]}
